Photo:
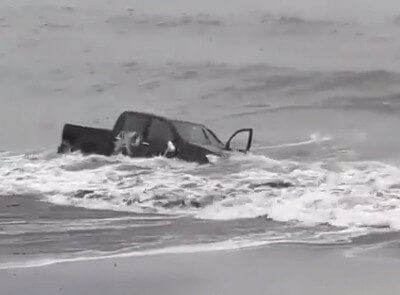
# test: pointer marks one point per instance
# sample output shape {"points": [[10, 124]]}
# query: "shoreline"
{"points": [[277, 269]]}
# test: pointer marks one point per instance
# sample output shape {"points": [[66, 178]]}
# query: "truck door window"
{"points": [[160, 131], [136, 123]]}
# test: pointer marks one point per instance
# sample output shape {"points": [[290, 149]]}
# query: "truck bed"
{"points": [[88, 140]]}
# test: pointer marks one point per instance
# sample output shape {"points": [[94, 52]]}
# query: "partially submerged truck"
{"points": [[138, 134]]}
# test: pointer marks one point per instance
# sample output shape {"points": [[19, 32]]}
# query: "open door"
{"points": [[239, 142]]}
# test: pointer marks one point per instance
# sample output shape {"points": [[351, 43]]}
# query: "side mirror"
{"points": [[171, 150]]}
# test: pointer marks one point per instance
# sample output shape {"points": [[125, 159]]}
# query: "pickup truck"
{"points": [[138, 134]]}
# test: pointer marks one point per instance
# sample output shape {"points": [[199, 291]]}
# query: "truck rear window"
{"points": [[131, 122]]}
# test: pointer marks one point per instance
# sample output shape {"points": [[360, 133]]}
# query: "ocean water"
{"points": [[317, 80]]}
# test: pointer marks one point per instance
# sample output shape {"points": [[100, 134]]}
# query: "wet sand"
{"points": [[269, 270]]}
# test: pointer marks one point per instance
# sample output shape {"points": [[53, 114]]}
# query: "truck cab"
{"points": [[137, 134]]}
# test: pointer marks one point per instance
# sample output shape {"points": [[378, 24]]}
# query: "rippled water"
{"points": [[319, 84], [241, 202]]}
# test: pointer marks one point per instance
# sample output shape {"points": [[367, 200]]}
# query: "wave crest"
{"points": [[354, 194]]}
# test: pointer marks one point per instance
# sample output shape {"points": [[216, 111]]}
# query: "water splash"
{"points": [[352, 194]]}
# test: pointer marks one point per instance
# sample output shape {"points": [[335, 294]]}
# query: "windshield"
{"points": [[196, 133]]}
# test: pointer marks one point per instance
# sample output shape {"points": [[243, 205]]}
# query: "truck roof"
{"points": [[127, 113]]}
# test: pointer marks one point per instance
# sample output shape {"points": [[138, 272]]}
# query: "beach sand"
{"points": [[267, 270]]}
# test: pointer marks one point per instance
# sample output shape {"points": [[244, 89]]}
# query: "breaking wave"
{"points": [[362, 194]]}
